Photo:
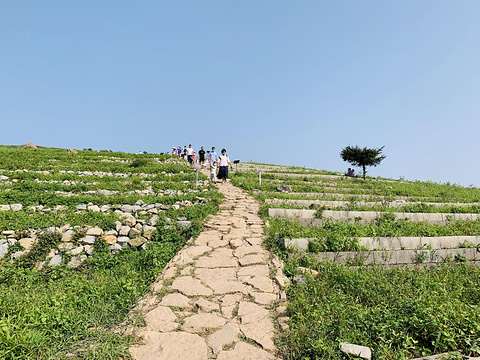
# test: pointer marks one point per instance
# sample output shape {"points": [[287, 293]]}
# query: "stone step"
{"points": [[321, 195], [309, 217], [333, 203], [409, 258], [399, 243]]}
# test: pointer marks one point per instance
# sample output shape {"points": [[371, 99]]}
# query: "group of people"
{"points": [[215, 162], [351, 172]]}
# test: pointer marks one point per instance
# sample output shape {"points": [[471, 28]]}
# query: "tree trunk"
{"points": [[364, 173]]}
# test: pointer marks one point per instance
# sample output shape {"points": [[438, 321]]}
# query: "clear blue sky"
{"points": [[285, 82]]}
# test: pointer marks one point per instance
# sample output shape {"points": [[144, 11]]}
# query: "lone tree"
{"points": [[362, 157]]}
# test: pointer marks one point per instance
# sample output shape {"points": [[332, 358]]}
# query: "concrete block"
{"points": [[385, 257], [409, 243], [470, 253], [392, 243], [447, 242], [326, 256], [406, 256], [370, 243], [365, 257], [299, 244], [432, 242], [362, 352]]}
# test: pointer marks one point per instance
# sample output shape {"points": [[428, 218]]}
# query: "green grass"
{"points": [[408, 208], [398, 313], [65, 313], [340, 236], [427, 191], [49, 314]]}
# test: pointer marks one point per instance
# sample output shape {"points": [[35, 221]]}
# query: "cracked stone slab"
{"points": [[262, 283], [244, 351], [254, 270], [250, 312], [170, 346], [183, 258], [169, 273], [227, 311], [214, 275], [236, 234], [202, 322], [176, 300], [264, 298], [226, 335], [245, 250], [196, 251], [205, 237], [216, 261], [222, 228], [231, 299], [261, 331], [161, 319], [253, 259], [190, 286], [218, 243], [228, 287], [254, 240], [206, 306], [186, 271], [236, 243]]}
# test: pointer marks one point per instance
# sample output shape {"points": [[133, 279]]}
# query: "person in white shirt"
{"points": [[213, 172], [224, 162], [190, 155]]}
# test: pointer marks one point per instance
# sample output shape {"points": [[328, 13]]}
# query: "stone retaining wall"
{"points": [[308, 217], [321, 176], [343, 196], [333, 203], [402, 257], [399, 243]]}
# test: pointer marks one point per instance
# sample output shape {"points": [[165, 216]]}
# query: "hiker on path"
{"points": [[201, 156], [213, 172], [212, 158], [224, 162], [190, 155]]}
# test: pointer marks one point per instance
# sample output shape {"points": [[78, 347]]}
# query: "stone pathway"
{"points": [[224, 294]]}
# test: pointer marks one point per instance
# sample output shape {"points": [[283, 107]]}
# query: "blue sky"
{"points": [[285, 82]]}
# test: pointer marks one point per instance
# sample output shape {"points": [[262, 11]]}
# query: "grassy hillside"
{"points": [[66, 312], [400, 312]]}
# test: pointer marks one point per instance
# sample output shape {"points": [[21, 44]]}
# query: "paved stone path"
{"points": [[224, 292]]}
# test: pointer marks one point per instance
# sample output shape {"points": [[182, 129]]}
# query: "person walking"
{"points": [[212, 158], [224, 163], [201, 156], [190, 155], [213, 172]]}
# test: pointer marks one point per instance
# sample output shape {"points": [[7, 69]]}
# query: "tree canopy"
{"points": [[362, 157]]}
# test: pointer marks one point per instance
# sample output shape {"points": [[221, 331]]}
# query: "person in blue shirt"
{"points": [[212, 156]]}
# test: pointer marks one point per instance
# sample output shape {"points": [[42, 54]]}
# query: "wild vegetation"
{"points": [[61, 312], [399, 313]]}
